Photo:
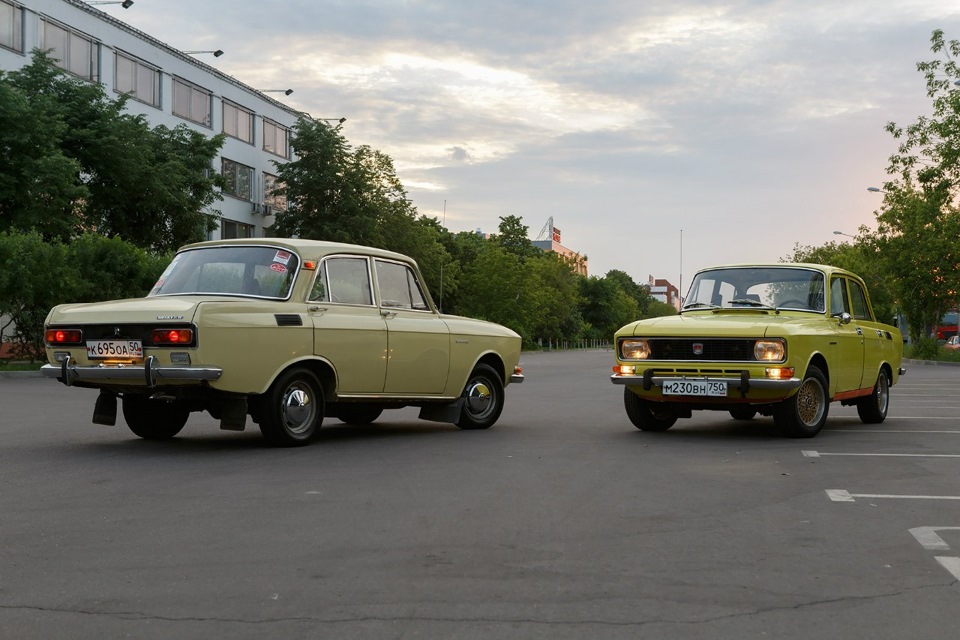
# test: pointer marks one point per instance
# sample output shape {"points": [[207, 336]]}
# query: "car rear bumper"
{"points": [[148, 373]]}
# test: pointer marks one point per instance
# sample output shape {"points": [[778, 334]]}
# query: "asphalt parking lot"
{"points": [[563, 521]]}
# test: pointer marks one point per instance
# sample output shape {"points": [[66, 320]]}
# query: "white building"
{"points": [[168, 87]]}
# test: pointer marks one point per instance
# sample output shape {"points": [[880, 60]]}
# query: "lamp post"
{"points": [[841, 233], [126, 4], [285, 92], [337, 120], [216, 53], [875, 190]]}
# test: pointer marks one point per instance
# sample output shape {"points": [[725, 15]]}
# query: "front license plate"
{"points": [[709, 388], [114, 349]]}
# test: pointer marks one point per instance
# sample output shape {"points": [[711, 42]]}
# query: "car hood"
{"points": [[723, 324], [139, 310]]}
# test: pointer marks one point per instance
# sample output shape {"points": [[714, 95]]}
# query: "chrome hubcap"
{"points": [[297, 409], [478, 398]]}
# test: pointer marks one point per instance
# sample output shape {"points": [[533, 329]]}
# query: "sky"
{"points": [[661, 136]]}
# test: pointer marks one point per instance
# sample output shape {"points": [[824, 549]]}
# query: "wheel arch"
{"points": [[820, 362], [321, 368], [494, 361]]}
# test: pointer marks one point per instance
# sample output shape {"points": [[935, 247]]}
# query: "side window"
{"points": [[838, 297], [318, 293], [348, 281], [858, 298], [399, 287]]}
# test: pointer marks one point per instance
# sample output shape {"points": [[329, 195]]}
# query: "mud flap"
{"points": [[442, 412], [105, 410]]}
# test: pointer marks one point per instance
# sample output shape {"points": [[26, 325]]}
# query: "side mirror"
{"points": [[845, 318]]}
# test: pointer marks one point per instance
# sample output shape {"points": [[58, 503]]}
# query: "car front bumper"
{"points": [[744, 383]]}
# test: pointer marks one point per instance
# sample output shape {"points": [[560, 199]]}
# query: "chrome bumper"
{"points": [[744, 383], [148, 372]]}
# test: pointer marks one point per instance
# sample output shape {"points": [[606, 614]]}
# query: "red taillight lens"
{"points": [[162, 337], [63, 336]]}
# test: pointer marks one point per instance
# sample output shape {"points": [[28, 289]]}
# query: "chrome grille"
{"points": [[714, 350]]}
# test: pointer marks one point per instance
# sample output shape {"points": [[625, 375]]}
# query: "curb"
{"points": [[19, 374], [930, 363]]}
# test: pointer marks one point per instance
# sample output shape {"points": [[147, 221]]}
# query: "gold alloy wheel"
{"points": [[810, 402]]}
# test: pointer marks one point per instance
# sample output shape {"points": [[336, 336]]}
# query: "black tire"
{"points": [[358, 413], [646, 415], [291, 411], [483, 399], [743, 413], [803, 414], [154, 419], [873, 408]]}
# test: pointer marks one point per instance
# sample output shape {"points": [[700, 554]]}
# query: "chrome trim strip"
{"points": [[148, 373], [733, 383]]}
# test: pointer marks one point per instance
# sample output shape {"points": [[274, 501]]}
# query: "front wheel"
{"points": [[154, 419], [292, 409], [873, 408], [803, 414], [646, 415], [482, 399]]}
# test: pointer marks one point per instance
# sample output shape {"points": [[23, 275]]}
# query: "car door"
{"points": [[875, 342], [847, 364], [348, 329], [418, 339]]}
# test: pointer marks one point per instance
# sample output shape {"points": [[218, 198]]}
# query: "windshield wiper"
{"points": [[700, 305], [747, 302]]}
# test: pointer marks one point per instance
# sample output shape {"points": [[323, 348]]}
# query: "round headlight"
{"points": [[634, 349], [769, 350]]}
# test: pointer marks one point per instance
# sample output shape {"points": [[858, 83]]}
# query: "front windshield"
{"points": [[246, 270], [757, 287]]}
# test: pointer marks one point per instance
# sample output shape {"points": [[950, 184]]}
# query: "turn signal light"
{"points": [[624, 369], [780, 373], [63, 336], [161, 337]]}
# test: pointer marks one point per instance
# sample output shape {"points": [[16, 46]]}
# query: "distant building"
{"points": [[576, 261], [168, 87], [663, 291]]}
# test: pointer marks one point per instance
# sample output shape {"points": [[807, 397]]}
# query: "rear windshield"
{"points": [[260, 272]]}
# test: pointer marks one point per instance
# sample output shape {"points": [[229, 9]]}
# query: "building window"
{"points": [[192, 102], [273, 200], [276, 139], [231, 229], [239, 179], [238, 122], [73, 51], [140, 81], [11, 26]]}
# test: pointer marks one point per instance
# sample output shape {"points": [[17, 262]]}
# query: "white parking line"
{"points": [[842, 495], [818, 454], [930, 539], [951, 564]]}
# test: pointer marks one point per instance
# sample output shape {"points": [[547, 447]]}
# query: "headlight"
{"points": [[634, 349], [770, 350]]}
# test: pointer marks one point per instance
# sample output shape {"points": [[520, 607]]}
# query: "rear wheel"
{"points": [[154, 419], [646, 415], [483, 399], [803, 414], [873, 408], [358, 414], [291, 411]]}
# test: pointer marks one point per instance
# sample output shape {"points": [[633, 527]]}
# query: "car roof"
{"points": [[313, 249], [825, 268]]}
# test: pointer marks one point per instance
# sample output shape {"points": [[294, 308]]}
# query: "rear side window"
{"points": [[858, 300]]}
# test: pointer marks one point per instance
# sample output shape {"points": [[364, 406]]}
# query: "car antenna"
{"points": [[444, 225]]}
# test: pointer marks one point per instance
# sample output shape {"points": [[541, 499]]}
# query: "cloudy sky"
{"points": [[719, 131]]}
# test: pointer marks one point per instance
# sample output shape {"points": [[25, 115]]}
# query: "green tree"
{"points": [[636, 291], [554, 298], [88, 165], [916, 237], [606, 307], [512, 236]]}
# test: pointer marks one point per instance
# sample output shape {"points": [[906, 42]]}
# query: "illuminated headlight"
{"points": [[634, 349], [770, 350]]}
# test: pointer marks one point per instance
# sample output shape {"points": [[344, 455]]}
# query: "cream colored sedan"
{"points": [[286, 332]]}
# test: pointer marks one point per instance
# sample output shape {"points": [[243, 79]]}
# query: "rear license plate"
{"points": [[99, 349], [709, 388]]}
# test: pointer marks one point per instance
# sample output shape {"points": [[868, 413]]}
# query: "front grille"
{"points": [[714, 350]]}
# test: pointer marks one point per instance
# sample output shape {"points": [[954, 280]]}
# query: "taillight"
{"points": [[167, 337], [58, 337]]}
